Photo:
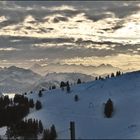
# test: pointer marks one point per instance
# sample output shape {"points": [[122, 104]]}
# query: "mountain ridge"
{"points": [[89, 70], [54, 78], [17, 79]]}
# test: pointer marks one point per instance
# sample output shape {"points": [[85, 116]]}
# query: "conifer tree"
{"points": [[76, 98], [50, 88], [118, 73], [40, 127], [62, 85], [79, 81], [68, 87], [108, 108], [40, 93], [112, 75], [100, 77], [53, 87], [96, 78], [38, 105], [42, 89], [53, 133], [46, 134], [31, 103]]}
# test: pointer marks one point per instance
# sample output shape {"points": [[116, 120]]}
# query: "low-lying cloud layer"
{"points": [[87, 33]]}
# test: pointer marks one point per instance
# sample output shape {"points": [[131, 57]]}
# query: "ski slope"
{"points": [[59, 108]]}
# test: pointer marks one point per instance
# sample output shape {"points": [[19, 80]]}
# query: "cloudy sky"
{"points": [[88, 33]]}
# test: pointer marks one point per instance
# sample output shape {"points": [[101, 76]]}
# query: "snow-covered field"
{"points": [[55, 78], [59, 108]]}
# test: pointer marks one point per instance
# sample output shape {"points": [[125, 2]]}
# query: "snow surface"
{"points": [[59, 108], [3, 132], [55, 79], [18, 80], [11, 95]]}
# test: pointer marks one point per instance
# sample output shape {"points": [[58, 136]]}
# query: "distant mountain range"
{"points": [[15, 79], [18, 80], [65, 68]]}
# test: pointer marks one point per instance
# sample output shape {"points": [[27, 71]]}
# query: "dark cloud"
{"points": [[77, 49], [27, 43], [97, 17], [122, 11], [120, 8], [17, 15], [33, 39], [93, 10], [7, 23], [88, 42], [58, 18]]}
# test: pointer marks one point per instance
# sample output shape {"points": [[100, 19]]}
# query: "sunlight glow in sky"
{"points": [[89, 33]]}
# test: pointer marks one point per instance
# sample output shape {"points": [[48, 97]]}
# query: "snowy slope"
{"points": [[59, 108], [15, 79], [55, 79]]}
